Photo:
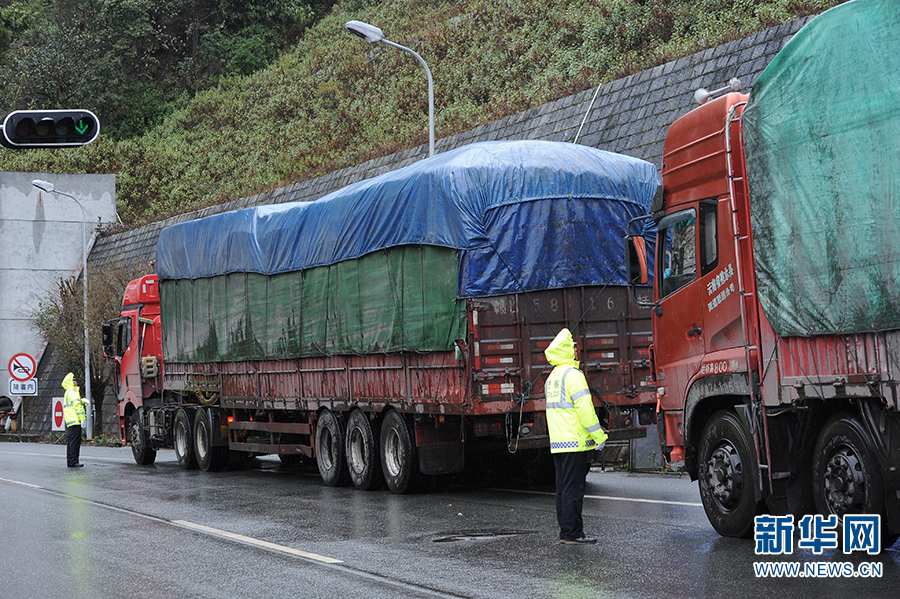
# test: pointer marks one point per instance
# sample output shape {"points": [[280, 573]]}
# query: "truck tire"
{"points": [[363, 457], [399, 461], [183, 438], [330, 455], [727, 472], [846, 472], [209, 457], [141, 449]]}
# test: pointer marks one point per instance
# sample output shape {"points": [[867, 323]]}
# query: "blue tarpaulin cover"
{"points": [[522, 214]]}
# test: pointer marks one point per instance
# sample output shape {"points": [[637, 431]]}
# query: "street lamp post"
{"points": [[373, 35], [89, 419]]}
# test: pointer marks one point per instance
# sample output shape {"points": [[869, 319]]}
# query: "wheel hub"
{"points": [[356, 455], [180, 440], [725, 476], [201, 442], [327, 452], [392, 454], [845, 482]]}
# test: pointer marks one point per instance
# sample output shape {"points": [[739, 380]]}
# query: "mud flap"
{"points": [[744, 416], [792, 466], [440, 445]]}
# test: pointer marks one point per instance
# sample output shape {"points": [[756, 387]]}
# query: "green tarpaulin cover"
{"points": [[400, 299], [822, 135]]}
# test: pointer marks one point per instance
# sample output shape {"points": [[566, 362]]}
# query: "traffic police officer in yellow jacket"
{"points": [[574, 433], [74, 407]]}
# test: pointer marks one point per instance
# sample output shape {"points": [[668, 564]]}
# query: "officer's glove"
{"points": [[602, 444]]}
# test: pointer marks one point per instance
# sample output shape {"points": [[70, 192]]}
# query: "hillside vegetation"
{"points": [[330, 100]]}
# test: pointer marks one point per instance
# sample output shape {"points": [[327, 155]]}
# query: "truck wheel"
{"points": [[363, 458], [143, 452], [184, 438], [727, 473], [209, 457], [330, 450], [399, 461], [846, 473]]}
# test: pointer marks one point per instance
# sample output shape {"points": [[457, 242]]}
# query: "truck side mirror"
{"points": [[108, 338], [636, 269], [636, 260]]}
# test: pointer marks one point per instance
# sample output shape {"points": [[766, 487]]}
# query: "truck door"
{"points": [[719, 287], [678, 334], [129, 361]]}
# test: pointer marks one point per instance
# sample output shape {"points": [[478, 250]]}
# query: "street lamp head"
{"points": [[370, 33], [44, 185], [373, 35]]}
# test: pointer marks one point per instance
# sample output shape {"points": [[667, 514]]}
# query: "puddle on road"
{"points": [[473, 535]]}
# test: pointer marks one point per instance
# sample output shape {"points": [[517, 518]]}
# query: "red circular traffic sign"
{"points": [[58, 413], [22, 367]]}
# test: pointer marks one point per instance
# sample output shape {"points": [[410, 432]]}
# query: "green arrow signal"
{"points": [[24, 129]]}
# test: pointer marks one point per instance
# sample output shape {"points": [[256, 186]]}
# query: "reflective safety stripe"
{"points": [[565, 374], [580, 394], [560, 405], [571, 444], [562, 388], [564, 445], [563, 403], [571, 423], [73, 408]]}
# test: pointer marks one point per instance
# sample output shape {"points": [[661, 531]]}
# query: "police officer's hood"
{"points": [[561, 351], [69, 383]]}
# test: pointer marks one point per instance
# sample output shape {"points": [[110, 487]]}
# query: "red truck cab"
{"points": [[789, 425], [134, 343], [698, 328]]}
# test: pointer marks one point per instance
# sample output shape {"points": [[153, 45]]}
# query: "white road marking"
{"points": [[223, 534], [257, 542], [17, 482], [610, 498], [63, 456]]}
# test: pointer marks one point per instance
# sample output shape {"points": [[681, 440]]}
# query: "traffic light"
{"points": [[24, 129]]}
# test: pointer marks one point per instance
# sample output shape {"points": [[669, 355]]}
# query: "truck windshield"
{"points": [[678, 255]]}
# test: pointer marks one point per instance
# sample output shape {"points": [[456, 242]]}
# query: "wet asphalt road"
{"points": [[114, 529]]}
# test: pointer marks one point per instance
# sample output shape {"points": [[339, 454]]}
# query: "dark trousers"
{"points": [[571, 478], [73, 444]]}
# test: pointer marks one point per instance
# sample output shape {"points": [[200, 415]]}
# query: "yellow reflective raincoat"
{"points": [[73, 404], [571, 418]]}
